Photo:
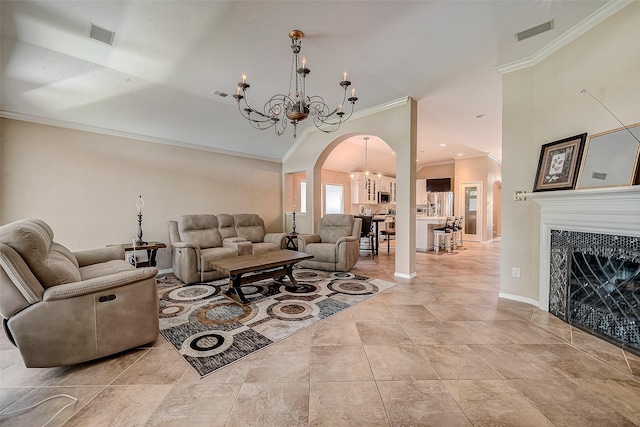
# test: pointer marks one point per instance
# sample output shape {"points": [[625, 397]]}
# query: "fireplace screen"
{"points": [[603, 295], [594, 284]]}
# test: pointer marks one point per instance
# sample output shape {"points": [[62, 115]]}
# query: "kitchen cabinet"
{"points": [[392, 190], [364, 188], [383, 184], [421, 191]]}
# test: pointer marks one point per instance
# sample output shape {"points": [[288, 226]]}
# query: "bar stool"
{"points": [[456, 234], [367, 234], [442, 235], [389, 233]]}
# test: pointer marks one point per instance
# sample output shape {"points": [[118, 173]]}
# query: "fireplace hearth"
{"points": [[595, 285]]}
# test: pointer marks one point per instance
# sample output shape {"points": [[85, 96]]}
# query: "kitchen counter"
{"points": [[424, 230], [430, 219]]}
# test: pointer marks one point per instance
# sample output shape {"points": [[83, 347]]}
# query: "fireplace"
{"points": [[595, 285], [590, 261]]}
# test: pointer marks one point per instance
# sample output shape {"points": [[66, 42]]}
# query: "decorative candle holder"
{"points": [[294, 224], [140, 205], [293, 232]]}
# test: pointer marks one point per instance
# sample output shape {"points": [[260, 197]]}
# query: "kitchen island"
{"points": [[424, 230]]}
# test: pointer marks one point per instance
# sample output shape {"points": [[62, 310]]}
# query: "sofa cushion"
{"points": [[200, 229], [261, 247], [209, 256], [225, 225], [322, 252], [50, 262], [249, 226], [334, 227]]}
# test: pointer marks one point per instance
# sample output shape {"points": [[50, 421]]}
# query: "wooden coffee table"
{"points": [[264, 266]]}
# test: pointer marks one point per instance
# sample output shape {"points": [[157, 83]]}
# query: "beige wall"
{"points": [[437, 171], [542, 104], [85, 185]]}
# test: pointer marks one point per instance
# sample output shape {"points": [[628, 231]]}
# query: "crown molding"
{"points": [[366, 112], [579, 29], [123, 134]]}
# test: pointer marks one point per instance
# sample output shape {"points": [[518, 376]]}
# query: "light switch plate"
{"points": [[518, 195]]}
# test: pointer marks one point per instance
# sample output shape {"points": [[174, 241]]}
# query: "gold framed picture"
{"points": [[611, 158]]}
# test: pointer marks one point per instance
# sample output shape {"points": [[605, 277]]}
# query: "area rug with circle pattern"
{"points": [[210, 330]]}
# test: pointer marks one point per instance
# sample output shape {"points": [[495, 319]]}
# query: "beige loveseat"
{"points": [[199, 240], [336, 246], [61, 307]]}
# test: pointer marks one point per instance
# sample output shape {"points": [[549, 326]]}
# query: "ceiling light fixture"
{"points": [[366, 171], [296, 106]]}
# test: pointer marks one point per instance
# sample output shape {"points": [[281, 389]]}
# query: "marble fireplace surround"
{"points": [[614, 211]]}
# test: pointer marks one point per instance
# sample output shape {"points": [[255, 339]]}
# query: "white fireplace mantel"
{"points": [[614, 211]]}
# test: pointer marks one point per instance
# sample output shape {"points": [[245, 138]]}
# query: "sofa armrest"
{"points": [[183, 245], [241, 245], [277, 238], [309, 238], [346, 239], [305, 239], [97, 256], [98, 284]]}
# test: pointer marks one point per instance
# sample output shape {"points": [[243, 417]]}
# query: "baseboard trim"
{"points": [[405, 276], [519, 298]]}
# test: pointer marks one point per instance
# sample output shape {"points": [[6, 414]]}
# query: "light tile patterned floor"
{"points": [[439, 350]]}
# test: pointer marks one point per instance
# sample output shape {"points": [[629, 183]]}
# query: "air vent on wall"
{"points": [[534, 31], [101, 34], [218, 93]]}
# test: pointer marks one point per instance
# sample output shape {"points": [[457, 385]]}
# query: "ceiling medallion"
{"points": [[295, 106]]}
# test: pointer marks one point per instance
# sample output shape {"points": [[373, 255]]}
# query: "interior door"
{"points": [[470, 201]]}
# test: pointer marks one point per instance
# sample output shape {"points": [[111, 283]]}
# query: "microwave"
{"points": [[383, 197]]}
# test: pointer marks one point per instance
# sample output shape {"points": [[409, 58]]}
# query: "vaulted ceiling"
{"points": [[156, 80]]}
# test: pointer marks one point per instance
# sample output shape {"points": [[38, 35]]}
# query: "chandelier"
{"points": [[295, 106], [368, 174]]}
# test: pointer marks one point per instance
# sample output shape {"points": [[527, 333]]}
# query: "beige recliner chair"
{"points": [[61, 308], [336, 246]]}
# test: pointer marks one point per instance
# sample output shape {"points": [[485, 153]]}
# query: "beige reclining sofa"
{"points": [[199, 240], [61, 307]]}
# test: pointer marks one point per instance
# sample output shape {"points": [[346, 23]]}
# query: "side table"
{"points": [[292, 241], [150, 247]]}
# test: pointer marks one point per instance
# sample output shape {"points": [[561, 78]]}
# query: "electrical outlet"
{"points": [[515, 271]]}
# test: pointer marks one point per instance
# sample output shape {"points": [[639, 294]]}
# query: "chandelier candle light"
{"points": [[140, 205], [296, 106]]}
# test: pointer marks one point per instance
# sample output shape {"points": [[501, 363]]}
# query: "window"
{"points": [[333, 199], [303, 196]]}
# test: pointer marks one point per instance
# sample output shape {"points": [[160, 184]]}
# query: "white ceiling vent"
{"points": [[534, 31], [101, 34], [218, 93]]}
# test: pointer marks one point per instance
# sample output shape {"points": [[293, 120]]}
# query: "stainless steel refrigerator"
{"points": [[440, 203]]}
